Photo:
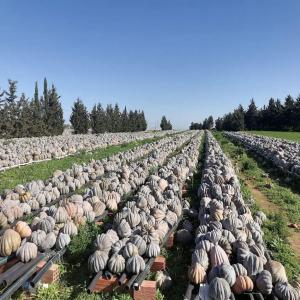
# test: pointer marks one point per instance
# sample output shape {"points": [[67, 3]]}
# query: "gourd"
{"points": [[201, 257], [219, 289], [48, 242], [3, 220], [27, 252], [223, 242], [223, 271], [62, 241], [135, 264], [124, 229], [205, 245], [196, 273], [285, 291], [23, 229], [214, 236], [239, 269], [70, 207], [70, 228], [277, 271], [61, 215], [9, 242], [97, 261], [264, 282], [158, 214], [103, 242], [37, 237], [253, 264], [242, 284], [99, 208], [218, 256], [130, 250], [116, 264], [46, 224], [133, 219], [90, 216], [140, 243], [152, 250]]}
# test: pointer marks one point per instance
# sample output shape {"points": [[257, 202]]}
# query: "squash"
{"points": [[196, 273], [285, 291], [23, 229], [200, 256], [135, 264], [219, 289], [205, 245], [48, 242], [223, 271], [133, 219], [61, 215], [3, 220], [90, 216], [99, 208], [253, 264], [46, 224], [97, 261], [130, 250], [10, 241], [264, 282], [214, 236], [37, 237], [62, 241], [27, 252], [103, 242], [70, 208], [152, 250], [223, 242], [240, 270], [277, 271], [140, 243], [70, 228], [218, 256], [242, 284], [116, 264]]}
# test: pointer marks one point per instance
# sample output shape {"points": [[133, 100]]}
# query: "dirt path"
{"points": [[267, 205]]}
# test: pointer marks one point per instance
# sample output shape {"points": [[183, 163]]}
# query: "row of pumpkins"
{"points": [[282, 153], [15, 152], [230, 254], [34, 195], [55, 226], [139, 229]]}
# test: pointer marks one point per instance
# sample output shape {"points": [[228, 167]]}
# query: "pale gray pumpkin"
{"points": [[277, 271], [253, 264], [46, 224], [133, 219], [152, 250], [219, 289], [124, 229], [264, 282], [130, 250], [70, 228], [97, 261], [90, 216], [240, 270], [116, 264], [214, 236], [285, 291], [61, 215], [200, 256], [27, 252], [140, 243], [103, 242], [48, 242], [223, 271], [62, 241], [37, 237], [135, 264]]}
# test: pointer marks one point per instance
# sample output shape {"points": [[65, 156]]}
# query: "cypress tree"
{"points": [[116, 118], [125, 121], [164, 123], [251, 116], [289, 113], [98, 119], [79, 117]]}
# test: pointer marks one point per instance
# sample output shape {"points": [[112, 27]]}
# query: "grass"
{"points": [[288, 135], [43, 170], [275, 229]]}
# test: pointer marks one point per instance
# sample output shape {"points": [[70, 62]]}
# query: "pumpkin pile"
{"points": [[282, 153], [18, 151], [230, 255], [139, 229], [56, 225], [37, 194]]}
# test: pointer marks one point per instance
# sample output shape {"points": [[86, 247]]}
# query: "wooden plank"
{"points": [[159, 264], [146, 292]]}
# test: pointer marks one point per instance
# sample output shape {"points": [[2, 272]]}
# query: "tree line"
{"points": [[110, 119], [208, 123], [25, 117], [277, 115]]}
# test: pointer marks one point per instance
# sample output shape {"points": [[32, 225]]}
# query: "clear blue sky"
{"points": [[186, 59]]}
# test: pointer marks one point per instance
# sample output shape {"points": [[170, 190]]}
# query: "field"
{"points": [[114, 212], [292, 136]]}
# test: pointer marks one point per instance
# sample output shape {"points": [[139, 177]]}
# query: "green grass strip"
{"points": [[288, 135]]}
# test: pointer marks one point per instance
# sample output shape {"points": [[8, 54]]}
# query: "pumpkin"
{"points": [[79, 221], [152, 250], [23, 229], [205, 245], [70, 208], [62, 241], [90, 216], [26, 196], [133, 219], [264, 282], [253, 264], [48, 242], [285, 291], [242, 284], [223, 242], [3, 220], [277, 271], [214, 236], [218, 256], [140, 243], [130, 250], [70, 228], [99, 208], [116, 264], [46, 224], [61, 215], [219, 289], [97, 261], [158, 214], [200, 256], [37, 237], [9, 242], [223, 271], [27, 252], [196, 273], [103, 242], [239, 269], [135, 264]]}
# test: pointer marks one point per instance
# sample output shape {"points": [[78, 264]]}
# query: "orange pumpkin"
{"points": [[242, 284]]}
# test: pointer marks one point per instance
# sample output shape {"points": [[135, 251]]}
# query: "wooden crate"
{"points": [[159, 264], [108, 285], [147, 291]]}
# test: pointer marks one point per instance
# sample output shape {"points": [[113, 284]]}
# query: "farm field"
{"points": [[99, 224], [292, 136]]}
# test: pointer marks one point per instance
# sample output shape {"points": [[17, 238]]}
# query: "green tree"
{"points": [[125, 121], [289, 113], [98, 119], [80, 118], [163, 123], [251, 116]]}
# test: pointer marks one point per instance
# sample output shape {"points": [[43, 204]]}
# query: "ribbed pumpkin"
{"points": [[253, 264], [277, 271], [46, 224], [152, 250], [264, 282], [200, 256], [97, 261], [218, 256], [219, 289], [285, 291], [130, 250], [27, 252], [71, 209], [196, 273], [99, 208], [62, 241], [48, 242], [140, 243], [70, 228], [133, 219], [116, 264], [23, 229], [242, 284], [124, 229], [239, 269], [223, 271], [103, 242], [61, 215], [135, 264], [37, 237], [9, 242]]}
